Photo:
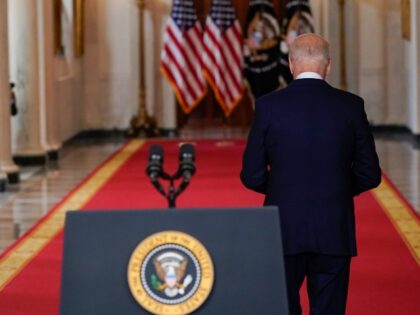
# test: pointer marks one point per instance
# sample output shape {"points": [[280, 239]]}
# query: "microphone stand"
{"points": [[172, 193], [186, 170]]}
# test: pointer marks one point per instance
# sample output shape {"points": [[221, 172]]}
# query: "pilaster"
{"points": [[24, 70], [412, 71], [8, 168], [48, 104]]}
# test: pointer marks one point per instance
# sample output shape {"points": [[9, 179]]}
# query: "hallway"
{"points": [[42, 187]]}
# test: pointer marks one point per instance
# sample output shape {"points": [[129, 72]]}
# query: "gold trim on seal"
{"points": [[137, 260]]}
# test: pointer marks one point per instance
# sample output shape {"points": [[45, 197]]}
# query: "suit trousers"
{"points": [[327, 280]]}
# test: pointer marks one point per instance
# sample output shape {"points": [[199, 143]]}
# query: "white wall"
{"points": [[382, 78], [372, 69], [379, 62], [395, 92], [111, 64], [100, 89], [376, 55], [160, 97]]}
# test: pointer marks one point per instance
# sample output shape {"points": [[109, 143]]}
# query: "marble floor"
{"points": [[42, 187]]}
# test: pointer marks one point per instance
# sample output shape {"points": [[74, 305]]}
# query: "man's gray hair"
{"points": [[310, 48]]}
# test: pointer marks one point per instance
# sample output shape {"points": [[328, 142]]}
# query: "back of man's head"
{"points": [[309, 52]]}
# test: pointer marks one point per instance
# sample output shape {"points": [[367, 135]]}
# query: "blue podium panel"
{"points": [[101, 248]]}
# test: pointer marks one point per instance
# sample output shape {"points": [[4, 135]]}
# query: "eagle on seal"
{"points": [[170, 269]]}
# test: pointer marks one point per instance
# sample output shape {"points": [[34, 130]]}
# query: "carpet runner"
{"points": [[385, 277]]}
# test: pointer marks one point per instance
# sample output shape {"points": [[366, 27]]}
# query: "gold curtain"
{"points": [[58, 39], [78, 9], [405, 19], [78, 27]]}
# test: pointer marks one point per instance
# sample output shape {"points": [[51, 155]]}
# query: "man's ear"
{"points": [[290, 66], [328, 67]]}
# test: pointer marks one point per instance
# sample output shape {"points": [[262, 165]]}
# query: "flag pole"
{"points": [[343, 69], [142, 124]]}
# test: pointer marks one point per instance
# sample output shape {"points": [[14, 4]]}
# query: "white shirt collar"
{"points": [[309, 75]]}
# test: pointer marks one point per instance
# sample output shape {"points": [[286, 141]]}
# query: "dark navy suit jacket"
{"points": [[310, 151]]}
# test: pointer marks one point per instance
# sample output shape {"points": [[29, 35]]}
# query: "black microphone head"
{"points": [[186, 160], [187, 151], [156, 153], [154, 166]]}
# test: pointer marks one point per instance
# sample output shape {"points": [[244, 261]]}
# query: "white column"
{"points": [[330, 30], [413, 70], [168, 120], [161, 96], [7, 166], [24, 68], [48, 104], [395, 78], [372, 76]]}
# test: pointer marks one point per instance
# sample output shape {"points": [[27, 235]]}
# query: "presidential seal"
{"points": [[170, 273]]}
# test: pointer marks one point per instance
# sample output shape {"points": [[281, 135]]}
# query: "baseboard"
{"points": [[106, 134], [13, 178], [96, 134], [417, 140], [30, 160], [396, 133], [53, 155], [2, 185], [390, 129], [168, 133]]}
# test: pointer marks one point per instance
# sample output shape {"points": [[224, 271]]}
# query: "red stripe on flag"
{"points": [[182, 64], [223, 63], [212, 54], [238, 64], [237, 30], [233, 52], [187, 60], [218, 70], [199, 34], [220, 95], [180, 95], [186, 81]]}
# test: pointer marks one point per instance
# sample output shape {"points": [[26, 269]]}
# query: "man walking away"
{"points": [[310, 151]]}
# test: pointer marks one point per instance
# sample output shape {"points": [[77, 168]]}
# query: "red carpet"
{"points": [[385, 278]]}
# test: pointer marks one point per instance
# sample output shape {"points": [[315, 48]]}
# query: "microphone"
{"points": [[186, 162], [154, 167], [186, 170]]}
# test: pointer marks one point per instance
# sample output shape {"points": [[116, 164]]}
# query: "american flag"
{"points": [[181, 55], [222, 56]]}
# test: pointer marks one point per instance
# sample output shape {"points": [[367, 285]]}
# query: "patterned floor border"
{"points": [[26, 248], [401, 215]]}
